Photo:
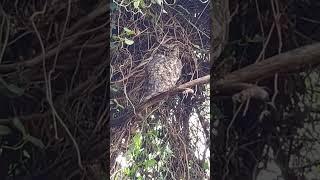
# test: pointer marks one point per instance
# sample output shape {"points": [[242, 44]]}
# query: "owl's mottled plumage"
{"points": [[163, 72]]}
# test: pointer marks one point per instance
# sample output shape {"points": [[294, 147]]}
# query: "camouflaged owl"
{"points": [[163, 72]]}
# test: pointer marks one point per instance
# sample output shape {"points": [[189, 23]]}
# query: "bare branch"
{"points": [[282, 63]]}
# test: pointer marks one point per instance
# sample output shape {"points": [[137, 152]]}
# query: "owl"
{"points": [[163, 72]]}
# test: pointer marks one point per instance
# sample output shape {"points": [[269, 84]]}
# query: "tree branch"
{"points": [[239, 80], [290, 61]]}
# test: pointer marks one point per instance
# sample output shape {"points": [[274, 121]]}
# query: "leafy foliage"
{"points": [[157, 143], [146, 156]]}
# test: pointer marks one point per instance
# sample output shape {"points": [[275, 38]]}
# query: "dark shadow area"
{"points": [[54, 91], [264, 138]]}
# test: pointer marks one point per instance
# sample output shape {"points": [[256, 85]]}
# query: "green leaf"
{"points": [[206, 165], [115, 38], [4, 130], [35, 141], [126, 171], [137, 140], [142, 4], [136, 4], [18, 124], [128, 41], [150, 163], [128, 31]]}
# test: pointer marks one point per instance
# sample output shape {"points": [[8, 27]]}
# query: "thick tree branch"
{"points": [[290, 61], [283, 63]]}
